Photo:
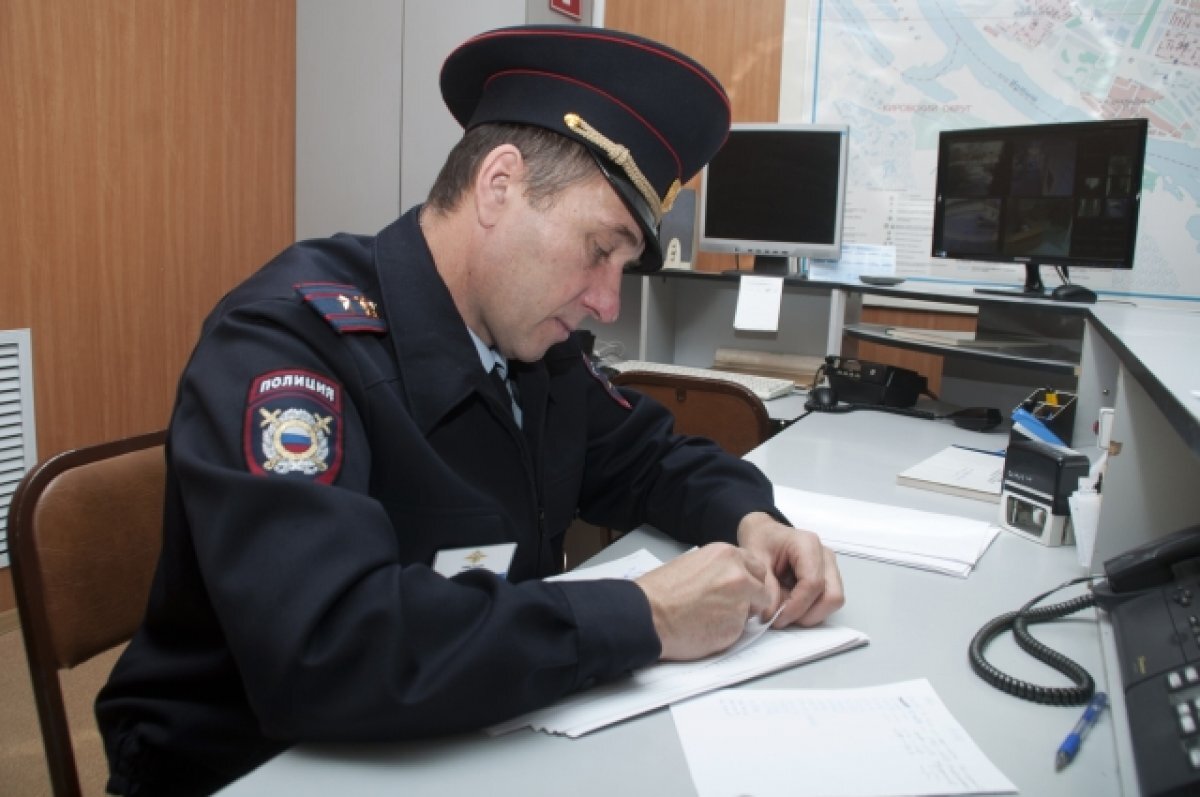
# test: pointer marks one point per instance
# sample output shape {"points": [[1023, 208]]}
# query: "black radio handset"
{"points": [[823, 399], [980, 419]]}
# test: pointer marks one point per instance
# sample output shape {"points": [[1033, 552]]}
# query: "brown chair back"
{"points": [[723, 411], [85, 531]]}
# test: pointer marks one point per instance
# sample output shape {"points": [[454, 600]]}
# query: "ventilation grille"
{"points": [[18, 447]]}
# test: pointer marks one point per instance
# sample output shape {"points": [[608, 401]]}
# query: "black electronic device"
{"points": [[776, 191], [863, 385], [865, 382], [822, 398], [1073, 292], [1149, 594], [1063, 195], [1151, 600]]}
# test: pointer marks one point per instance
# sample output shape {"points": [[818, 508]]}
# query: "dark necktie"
{"points": [[507, 390]]}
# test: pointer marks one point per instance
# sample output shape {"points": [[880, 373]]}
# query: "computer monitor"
{"points": [[1064, 195], [776, 191]]}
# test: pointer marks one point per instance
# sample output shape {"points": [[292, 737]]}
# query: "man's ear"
{"points": [[499, 177]]}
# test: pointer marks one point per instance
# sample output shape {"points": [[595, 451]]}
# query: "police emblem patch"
{"points": [[293, 425]]}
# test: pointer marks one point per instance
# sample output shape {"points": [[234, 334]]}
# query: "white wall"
{"points": [[433, 28], [371, 128], [348, 60]]}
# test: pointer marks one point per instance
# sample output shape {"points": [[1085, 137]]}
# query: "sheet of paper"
{"points": [[628, 567], [759, 651], [895, 739], [856, 260], [928, 540], [665, 683], [758, 303]]}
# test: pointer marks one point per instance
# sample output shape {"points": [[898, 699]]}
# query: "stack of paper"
{"points": [[761, 650], [927, 540], [896, 739]]}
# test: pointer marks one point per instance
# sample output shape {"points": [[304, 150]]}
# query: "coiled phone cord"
{"points": [[1019, 621]]}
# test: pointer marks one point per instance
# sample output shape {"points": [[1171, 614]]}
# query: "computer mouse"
{"points": [[1070, 292], [821, 398]]}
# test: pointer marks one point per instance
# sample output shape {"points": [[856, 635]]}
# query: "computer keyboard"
{"points": [[765, 387]]}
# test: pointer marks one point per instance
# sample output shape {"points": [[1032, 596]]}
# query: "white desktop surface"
{"points": [[920, 625], [1160, 347]]}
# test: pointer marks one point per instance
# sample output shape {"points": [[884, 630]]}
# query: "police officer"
{"points": [[379, 442]]}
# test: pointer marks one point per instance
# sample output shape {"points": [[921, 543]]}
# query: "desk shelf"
{"points": [[1038, 355]]}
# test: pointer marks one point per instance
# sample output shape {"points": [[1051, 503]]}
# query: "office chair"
{"points": [[725, 412], [85, 530]]}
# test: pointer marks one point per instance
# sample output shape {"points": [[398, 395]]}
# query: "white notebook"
{"points": [[969, 472]]}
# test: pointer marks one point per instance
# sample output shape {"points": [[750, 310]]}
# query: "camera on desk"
{"points": [[1038, 480]]}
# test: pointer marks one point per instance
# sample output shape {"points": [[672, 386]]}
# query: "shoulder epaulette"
{"points": [[344, 307], [612, 392]]}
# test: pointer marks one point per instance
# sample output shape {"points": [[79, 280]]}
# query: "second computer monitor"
{"points": [[776, 191], [1064, 195]]}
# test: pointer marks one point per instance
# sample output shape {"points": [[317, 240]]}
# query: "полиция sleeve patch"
{"points": [[293, 425], [344, 307]]}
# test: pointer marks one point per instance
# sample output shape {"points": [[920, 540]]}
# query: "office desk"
{"points": [[920, 625]]}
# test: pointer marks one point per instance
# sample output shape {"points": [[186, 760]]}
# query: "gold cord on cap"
{"points": [[621, 156]]}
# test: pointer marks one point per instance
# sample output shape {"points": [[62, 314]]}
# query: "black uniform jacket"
{"points": [[333, 430]]}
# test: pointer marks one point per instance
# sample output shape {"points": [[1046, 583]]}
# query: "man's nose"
{"points": [[603, 298]]}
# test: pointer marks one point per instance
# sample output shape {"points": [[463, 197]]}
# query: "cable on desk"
{"points": [[1019, 622]]}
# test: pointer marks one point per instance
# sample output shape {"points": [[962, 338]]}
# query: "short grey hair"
{"points": [[552, 161]]}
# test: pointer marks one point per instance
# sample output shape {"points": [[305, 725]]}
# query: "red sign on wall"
{"points": [[571, 8]]}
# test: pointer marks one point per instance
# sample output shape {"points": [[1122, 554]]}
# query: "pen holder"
{"points": [[1054, 408]]}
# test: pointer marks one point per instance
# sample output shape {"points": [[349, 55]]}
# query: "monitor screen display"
{"points": [[776, 190], [1058, 194]]}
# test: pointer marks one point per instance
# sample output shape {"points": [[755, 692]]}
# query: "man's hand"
{"points": [[804, 571], [701, 600]]}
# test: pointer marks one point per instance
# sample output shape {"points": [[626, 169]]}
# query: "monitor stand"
{"points": [[772, 266], [1034, 287]]}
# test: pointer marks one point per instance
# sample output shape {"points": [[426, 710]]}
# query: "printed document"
{"points": [[877, 741], [758, 303]]}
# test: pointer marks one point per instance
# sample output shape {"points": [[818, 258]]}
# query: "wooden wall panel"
{"points": [[739, 41], [147, 161], [148, 165]]}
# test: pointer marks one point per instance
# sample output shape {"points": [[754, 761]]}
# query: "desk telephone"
{"points": [[1152, 597]]}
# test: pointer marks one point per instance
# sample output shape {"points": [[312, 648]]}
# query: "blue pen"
{"points": [[995, 452], [1070, 746]]}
